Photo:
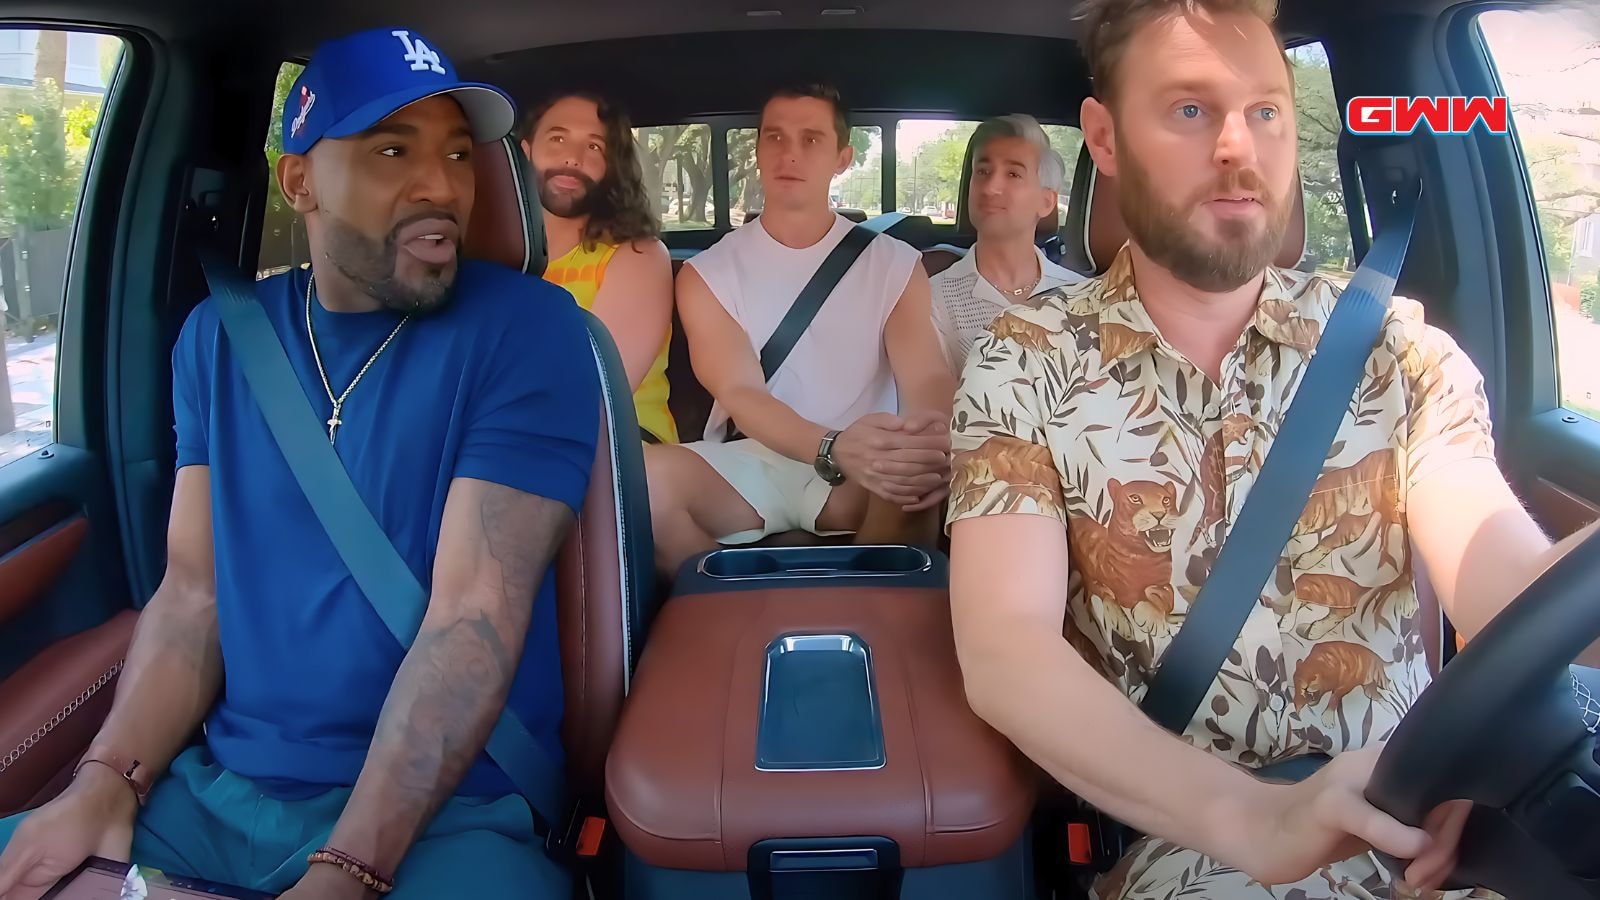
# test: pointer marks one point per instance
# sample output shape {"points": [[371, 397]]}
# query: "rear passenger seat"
{"points": [[689, 401]]}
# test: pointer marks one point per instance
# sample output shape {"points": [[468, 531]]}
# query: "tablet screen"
{"points": [[103, 879]]}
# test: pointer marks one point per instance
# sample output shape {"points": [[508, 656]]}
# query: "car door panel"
{"points": [[54, 705], [60, 567], [1559, 510], [1561, 484], [29, 568], [65, 620]]}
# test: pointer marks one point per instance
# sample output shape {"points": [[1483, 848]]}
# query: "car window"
{"points": [[860, 187], [1549, 67], [52, 88], [929, 154], [677, 174], [1318, 124], [1067, 141], [927, 172], [283, 234]]}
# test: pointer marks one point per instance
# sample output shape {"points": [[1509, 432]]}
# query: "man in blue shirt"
{"points": [[463, 400]]}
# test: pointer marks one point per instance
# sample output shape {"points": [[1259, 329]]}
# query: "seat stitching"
{"points": [[55, 721]]}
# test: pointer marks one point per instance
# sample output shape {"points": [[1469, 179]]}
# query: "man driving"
{"points": [[463, 401], [1107, 436]]}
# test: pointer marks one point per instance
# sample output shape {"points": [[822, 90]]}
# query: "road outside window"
{"points": [[1549, 65], [676, 160], [52, 86]]}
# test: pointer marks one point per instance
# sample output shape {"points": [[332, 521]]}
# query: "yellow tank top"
{"points": [[580, 271]]}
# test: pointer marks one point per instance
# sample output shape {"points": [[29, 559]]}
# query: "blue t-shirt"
{"points": [[500, 385]]}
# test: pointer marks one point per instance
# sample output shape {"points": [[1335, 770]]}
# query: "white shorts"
{"points": [[787, 494]]}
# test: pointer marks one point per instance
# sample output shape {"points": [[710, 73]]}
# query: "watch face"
{"points": [[828, 471]]}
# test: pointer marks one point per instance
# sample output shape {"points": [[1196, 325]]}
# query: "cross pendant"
{"points": [[333, 423]]}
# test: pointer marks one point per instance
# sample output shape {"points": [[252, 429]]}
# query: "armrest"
{"points": [[52, 708]]}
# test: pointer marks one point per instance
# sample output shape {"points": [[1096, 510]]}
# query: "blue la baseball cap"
{"points": [[354, 82]]}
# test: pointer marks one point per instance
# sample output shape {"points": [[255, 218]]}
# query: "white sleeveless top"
{"points": [[839, 370]]}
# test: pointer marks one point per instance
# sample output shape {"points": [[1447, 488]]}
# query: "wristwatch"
{"points": [[827, 469], [136, 774]]}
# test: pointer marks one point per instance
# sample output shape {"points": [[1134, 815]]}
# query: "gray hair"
{"points": [[1052, 169]]}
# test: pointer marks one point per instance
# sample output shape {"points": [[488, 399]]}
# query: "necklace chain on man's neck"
{"points": [[1021, 290], [334, 421]]}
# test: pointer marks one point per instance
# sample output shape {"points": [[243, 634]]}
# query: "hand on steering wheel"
{"points": [[1325, 819], [1506, 727]]}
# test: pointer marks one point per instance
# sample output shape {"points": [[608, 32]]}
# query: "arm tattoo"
{"points": [[518, 540], [455, 678], [436, 710], [170, 679]]}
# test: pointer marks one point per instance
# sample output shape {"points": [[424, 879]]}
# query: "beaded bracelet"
{"points": [[353, 867]]}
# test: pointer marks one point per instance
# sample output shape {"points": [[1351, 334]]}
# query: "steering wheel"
{"points": [[1511, 725]]}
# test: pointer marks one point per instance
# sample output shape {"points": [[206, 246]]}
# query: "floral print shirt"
{"points": [[1073, 406]]}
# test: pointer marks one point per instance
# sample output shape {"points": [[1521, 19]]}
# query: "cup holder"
{"points": [[815, 562], [890, 560], [740, 564]]}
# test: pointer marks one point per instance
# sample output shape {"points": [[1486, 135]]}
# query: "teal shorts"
{"points": [[206, 822]]}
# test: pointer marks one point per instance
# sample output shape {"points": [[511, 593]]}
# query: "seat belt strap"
{"points": [[382, 575], [812, 296], [1250, 554], [806, 306]]}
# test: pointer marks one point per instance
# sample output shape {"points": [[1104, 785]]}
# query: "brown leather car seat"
{"points": [[605, 571], [54, 705]]}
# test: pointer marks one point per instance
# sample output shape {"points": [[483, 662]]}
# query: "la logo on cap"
{"points": [[419, 54], [307, 100]]}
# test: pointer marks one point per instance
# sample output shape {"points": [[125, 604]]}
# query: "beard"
{"points": [[567, 205], [1239, 252], [370, 265]]}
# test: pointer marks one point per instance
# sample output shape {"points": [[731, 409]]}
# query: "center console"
{"points": [[797, 727]]}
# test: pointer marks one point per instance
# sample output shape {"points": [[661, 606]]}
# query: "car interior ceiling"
{"points": [[204, 95]]}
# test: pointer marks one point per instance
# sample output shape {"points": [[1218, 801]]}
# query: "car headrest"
{"points": [[937, 259], [507, 224], [1096, 230]]}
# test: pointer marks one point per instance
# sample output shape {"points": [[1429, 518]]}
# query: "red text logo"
{"points": [[1440, 115]]}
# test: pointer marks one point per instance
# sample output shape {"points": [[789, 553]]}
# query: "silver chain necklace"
{"points": [[338, 402]]}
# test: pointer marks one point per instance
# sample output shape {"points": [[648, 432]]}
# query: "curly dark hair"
{"points": [[619, 209]]}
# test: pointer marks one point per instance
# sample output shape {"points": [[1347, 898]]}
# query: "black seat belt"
{"points": [[809, 302], [1250, 554], [378, 569], [812, 296]]}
